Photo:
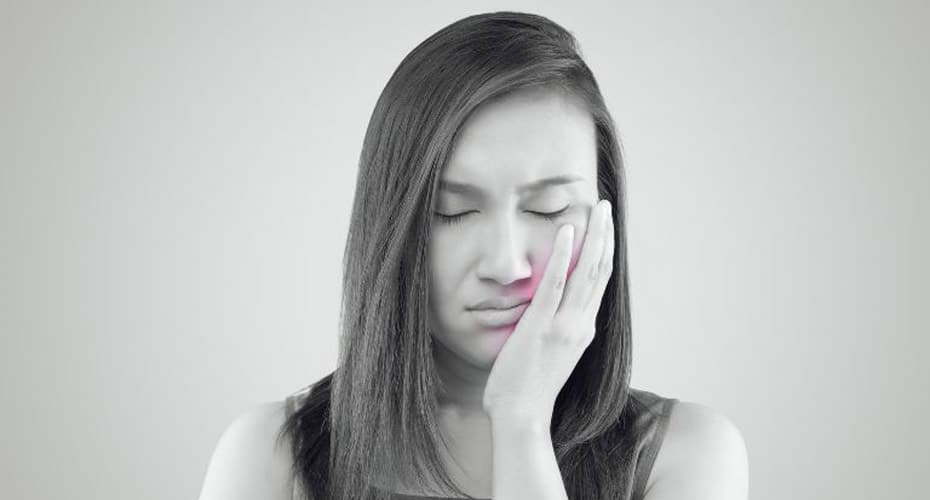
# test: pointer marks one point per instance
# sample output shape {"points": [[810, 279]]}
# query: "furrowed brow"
{"points": [[538, 185]]}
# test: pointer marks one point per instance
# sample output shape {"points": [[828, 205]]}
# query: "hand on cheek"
{"points": [[559, 324], [582, 227]]}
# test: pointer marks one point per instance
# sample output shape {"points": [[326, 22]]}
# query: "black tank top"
{"points": [[649, 426]]}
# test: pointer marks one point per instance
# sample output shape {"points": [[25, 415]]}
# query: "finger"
{"points": [[580, 287], [606, 264], [549, 293]]}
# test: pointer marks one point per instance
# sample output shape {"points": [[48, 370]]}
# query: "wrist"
{"points": [[515, 424], [520, 416]]}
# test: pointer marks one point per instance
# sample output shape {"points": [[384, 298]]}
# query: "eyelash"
{"points": [[455, 219]]}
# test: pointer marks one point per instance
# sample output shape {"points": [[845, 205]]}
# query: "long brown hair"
{"points": [[376, 413]]}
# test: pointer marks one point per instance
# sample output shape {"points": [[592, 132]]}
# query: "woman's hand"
{"points": [[555, 329]]}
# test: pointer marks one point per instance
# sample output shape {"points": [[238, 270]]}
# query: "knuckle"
{"points": [[593, 272]]}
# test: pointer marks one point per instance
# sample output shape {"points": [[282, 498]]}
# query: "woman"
{"points": [[486, 344]]}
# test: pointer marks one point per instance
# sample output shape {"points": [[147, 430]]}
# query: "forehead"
{"points": [[521, 138]]}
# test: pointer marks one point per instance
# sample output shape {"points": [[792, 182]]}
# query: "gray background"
{"points": [[175, 190]]}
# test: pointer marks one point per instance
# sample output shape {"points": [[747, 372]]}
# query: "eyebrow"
{"points": [[537, 185]]}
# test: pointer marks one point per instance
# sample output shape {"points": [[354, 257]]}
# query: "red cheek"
{"points": [[540, 268]]}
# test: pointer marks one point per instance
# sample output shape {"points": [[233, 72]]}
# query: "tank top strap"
{"points": [[293, 400], [652, 425], [291, 404]]}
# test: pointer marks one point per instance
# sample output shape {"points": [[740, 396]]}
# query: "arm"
{"points": [[538, 357], [703, 457], [245, 463], [524, 464]]}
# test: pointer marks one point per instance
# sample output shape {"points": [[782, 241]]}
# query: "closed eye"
{"points": [[456, 218]]}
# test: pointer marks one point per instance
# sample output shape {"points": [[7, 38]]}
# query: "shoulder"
{"points": [[249, 461], [703, 456]]}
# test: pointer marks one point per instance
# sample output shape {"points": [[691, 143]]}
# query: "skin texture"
{"points": [[500, 248]]}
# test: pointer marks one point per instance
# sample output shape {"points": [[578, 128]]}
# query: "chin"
{"points": [[477, 346]]}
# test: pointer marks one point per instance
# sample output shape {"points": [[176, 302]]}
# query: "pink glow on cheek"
{"points": [[540, 268], [500, 335]]}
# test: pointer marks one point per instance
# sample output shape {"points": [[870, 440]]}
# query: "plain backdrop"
{"points": [[175, 191]]}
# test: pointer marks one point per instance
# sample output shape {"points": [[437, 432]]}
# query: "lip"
{"points": [[499, 318], [501, 303]]}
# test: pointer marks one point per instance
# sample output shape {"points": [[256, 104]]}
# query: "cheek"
{"points": [[539, 269], [446, 251]]}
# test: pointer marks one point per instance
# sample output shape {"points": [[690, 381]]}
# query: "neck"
{"points": [[463, 382]]}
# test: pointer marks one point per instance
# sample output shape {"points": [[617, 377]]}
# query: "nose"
{"points": [[503, 252]]}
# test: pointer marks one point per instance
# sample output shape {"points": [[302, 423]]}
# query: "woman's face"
{"points": [[499, 245]]}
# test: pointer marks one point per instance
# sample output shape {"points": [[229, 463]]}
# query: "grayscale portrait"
{"points": [[414, 251], [486, 345], [486, 342]]}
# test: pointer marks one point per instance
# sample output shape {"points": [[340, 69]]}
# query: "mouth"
{"points": [[499, 318], [499, 303]]}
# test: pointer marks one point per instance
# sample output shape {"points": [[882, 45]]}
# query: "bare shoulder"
{"points": [[703, 456], [248, 461]]}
